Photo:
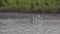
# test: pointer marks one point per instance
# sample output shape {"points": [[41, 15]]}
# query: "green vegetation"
{"points": [[31, 5]]}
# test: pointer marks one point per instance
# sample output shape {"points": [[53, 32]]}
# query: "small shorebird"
{"points": [[37, 19], [38, 15]]}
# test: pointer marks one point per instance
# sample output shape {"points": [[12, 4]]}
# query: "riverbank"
{"points": [[31, 11], [13, 15]]}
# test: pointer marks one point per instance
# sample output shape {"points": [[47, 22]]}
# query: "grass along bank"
{"points": [[43, 6]]}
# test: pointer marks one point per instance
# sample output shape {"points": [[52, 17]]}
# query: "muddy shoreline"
{"points": [[14, 15], [34, 12]]}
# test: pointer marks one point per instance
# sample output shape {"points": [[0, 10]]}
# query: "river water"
{"points": [[25, 23]]}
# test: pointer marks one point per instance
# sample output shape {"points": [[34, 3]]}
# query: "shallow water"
{"points": [[18, 23], [25, 26]]}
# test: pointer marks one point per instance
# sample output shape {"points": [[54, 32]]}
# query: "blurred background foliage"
{"points": [[31, 5]]}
